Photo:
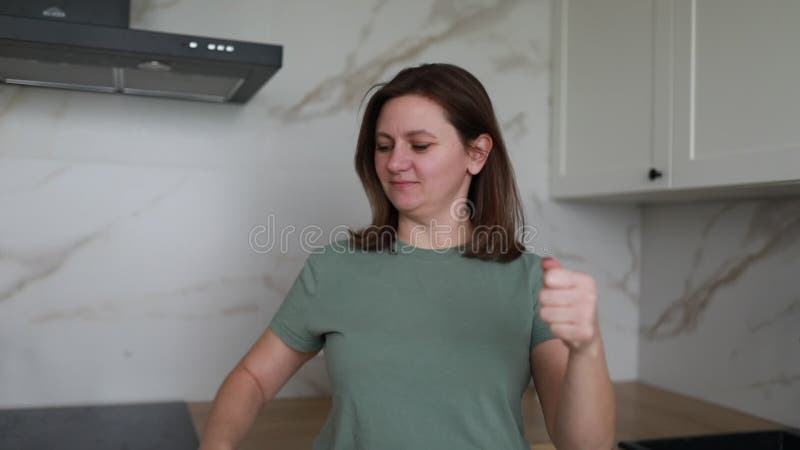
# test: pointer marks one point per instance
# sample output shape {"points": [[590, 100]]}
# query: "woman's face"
{"points": [[414, 143]]}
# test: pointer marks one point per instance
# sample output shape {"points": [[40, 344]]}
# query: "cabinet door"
{"points": [[606, 134], [737, 92]]}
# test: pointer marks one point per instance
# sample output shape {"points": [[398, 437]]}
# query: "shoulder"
{"points": [[525, 268], [532, 257], [532, 263], [329, 254], [321, 253], [530, 260]]}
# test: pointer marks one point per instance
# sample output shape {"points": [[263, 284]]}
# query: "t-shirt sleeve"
{"points": [[540, 330], [291, 321]]}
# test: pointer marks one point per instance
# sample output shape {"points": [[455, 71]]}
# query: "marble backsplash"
{"points": [[127, 271], [720, 319]]}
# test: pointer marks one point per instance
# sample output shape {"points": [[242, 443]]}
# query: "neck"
{"points": [[433, 234]]}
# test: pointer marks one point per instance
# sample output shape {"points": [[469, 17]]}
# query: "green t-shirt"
{"points": [[425, 349]]}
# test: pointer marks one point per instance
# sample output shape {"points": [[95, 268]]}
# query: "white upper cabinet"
{"points": [[737, 92], [662, 96], [604, 138]]}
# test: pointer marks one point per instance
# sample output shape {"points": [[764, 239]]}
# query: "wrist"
{"points": [[216, 446], [590, 350]]}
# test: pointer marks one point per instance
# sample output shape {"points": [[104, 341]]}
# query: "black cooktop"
{"points": [[780, 439], [139, 426]]}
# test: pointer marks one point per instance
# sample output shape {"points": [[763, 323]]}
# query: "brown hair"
{"points": [[494, 205]]}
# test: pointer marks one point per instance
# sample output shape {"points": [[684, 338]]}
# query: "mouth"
{"points": [[403, 183]]}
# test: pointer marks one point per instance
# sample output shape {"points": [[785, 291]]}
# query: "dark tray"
{"points": [[779, 439], [143, 426]]}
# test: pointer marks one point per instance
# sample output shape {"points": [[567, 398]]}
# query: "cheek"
{"points": [[444, 170], [380, 165]]}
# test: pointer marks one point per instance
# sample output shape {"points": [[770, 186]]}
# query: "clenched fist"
{"points": [[568, 304]]}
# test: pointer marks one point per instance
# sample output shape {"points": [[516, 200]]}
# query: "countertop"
{"points": [[643, 412]]}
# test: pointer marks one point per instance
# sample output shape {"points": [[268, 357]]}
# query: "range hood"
{"points": [[88, 45]]}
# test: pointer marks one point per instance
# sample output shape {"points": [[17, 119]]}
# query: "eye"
{"points": [[420, 146], [382, 148]]}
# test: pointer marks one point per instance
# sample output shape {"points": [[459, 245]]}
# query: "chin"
{"points": [[405, 207]]}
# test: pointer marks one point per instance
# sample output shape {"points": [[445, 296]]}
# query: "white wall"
{"points": [[721, 319], [126, 271]]}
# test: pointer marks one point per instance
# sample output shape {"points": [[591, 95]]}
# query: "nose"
{"points": [[398, 159]]}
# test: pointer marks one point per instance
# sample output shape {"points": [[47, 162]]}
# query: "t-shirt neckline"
{"points": [[405, 249]]}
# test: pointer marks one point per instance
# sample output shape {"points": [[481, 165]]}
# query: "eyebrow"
{"points": [[407, 134]]}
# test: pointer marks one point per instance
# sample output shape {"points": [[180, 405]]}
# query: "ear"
{"points": [[479, 151]]}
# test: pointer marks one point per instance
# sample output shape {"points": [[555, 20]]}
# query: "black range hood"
{"points": [[87, 45]]}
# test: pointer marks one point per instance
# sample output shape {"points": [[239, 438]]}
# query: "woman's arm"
{"points": [[233, 412], [576, 395], [260, 374], [571, 374]]}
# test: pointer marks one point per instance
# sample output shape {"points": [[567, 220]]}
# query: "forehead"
{"points": [[410, 112]]}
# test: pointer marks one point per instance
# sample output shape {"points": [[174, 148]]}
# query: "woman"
{"points": [[431, 344]]}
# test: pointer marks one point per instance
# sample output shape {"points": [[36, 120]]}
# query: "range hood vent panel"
{"points": [[52, 74], [190, 86]]}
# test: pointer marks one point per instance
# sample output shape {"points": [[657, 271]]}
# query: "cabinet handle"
{"points": [[653, 174]]}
